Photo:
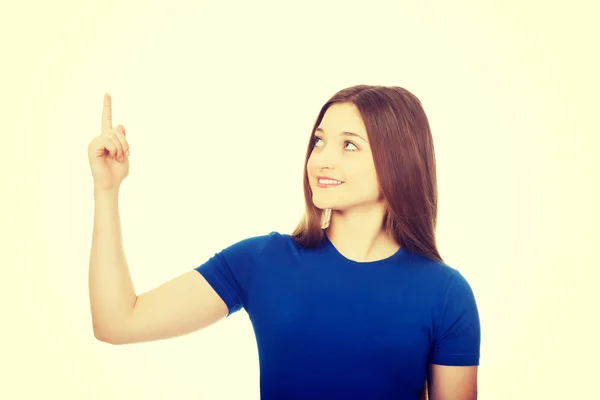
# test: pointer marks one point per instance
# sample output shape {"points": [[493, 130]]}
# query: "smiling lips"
{"points": [[326, 182]]}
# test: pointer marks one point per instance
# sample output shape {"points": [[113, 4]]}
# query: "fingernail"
{"points": [[121, 158], [128, 152]]}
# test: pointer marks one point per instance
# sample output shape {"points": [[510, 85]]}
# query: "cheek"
{"points": [[367, 180], [309, 164], [364, 173], [310, 171]]}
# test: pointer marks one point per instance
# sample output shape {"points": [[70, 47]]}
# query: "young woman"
{"points": [[355, 303]]}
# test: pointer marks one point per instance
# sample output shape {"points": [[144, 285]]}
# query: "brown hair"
{"points": [[404, 159]]}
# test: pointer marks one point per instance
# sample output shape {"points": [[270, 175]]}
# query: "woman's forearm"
{"points": [[112, 295]]}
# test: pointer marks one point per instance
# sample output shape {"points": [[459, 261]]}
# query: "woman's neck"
{"points": [[358, 235]]}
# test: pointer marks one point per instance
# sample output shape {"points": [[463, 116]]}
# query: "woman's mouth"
{"points": [[328, 182]]}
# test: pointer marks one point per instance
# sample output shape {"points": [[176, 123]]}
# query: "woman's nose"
{"points": [[327, 157]]}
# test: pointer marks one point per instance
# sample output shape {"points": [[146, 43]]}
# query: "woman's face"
{"points": [[341, 152]]}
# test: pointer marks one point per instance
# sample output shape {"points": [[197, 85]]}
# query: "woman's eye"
{"points": [[352, 144], [315, 140]]}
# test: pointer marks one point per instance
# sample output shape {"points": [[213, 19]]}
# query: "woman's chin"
{"points": [[323, 205]]}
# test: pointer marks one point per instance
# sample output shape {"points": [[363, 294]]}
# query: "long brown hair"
{"points": [[404, 158]]}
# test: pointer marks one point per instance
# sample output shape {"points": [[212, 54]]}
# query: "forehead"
{"points": [[343, 117]]}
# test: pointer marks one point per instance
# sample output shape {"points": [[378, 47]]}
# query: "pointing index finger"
{"points": [[106, 114]]}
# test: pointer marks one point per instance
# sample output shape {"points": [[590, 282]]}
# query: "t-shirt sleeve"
{"points": [[457, 331], [230, 271]]}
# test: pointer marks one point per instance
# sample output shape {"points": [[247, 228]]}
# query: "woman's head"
{"points": [[377, 141], [340, 169]]}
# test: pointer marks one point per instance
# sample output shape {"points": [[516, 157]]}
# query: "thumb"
{"points": [[101, 145]]}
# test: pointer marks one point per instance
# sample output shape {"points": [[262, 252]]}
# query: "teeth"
{"points": [[329, 182]]}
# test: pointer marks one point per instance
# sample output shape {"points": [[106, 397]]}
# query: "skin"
{"points": [[357, 214]]}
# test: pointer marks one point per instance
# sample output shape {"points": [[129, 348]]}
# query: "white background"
{"points": [[218, 99]]}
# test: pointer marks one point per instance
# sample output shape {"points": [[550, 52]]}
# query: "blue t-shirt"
{"points": [[328, 327]]}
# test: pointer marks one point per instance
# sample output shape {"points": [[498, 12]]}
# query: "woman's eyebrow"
{"points": [[344, 133]]}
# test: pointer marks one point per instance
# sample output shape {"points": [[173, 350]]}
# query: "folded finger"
{"points": [[123, 139], [114, 138]]}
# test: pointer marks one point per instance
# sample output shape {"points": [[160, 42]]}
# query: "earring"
{"points": [[326, 218]]}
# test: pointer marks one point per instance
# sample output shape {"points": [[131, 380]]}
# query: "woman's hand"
{"points": [[108, 153]]}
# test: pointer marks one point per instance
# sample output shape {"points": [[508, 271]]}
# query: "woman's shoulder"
{"points": [[273, 240], [438, 274], [276, 244], [283, 242]]}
